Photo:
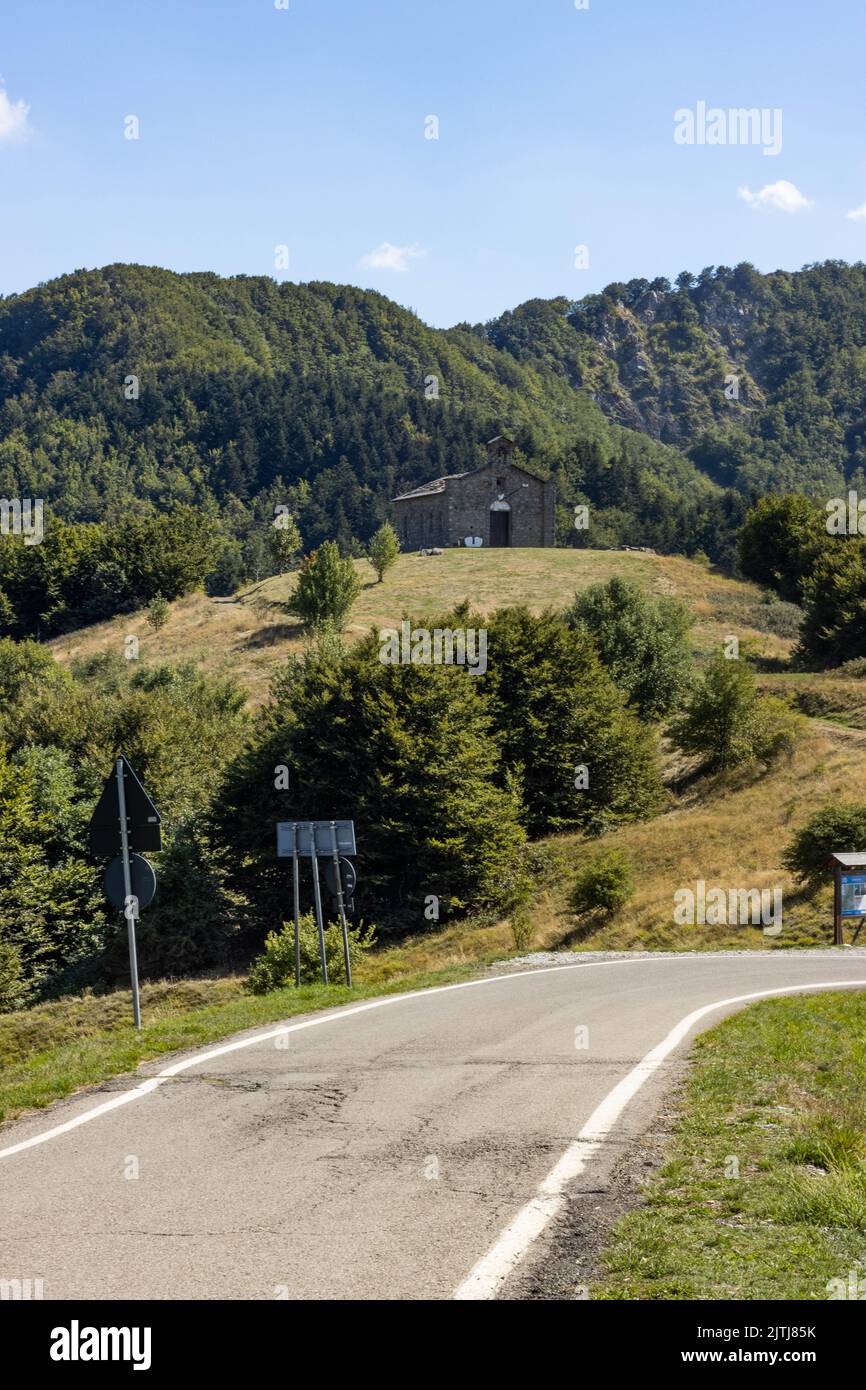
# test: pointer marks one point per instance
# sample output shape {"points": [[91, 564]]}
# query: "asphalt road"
{"points": [[371, 1152]]}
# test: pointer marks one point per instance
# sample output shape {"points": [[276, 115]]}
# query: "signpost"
{"points": [[126, 819], [849, 898], [329, 839]]}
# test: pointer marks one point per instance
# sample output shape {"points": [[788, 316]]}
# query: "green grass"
{"points": [[776, 1094], [54, 1049]]}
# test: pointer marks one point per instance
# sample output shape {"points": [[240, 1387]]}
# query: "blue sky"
{"points": [[262, 127]]}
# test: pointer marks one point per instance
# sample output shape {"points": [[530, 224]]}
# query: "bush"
{"points": [[774, 615], [605, 883], [643, 642], [327, 587], [12, 985], [275, 967], [157, 612], [187, 930], [522, 930], [727, 721], [837, 829]]}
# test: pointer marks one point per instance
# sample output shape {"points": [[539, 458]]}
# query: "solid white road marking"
{"points": [[153, 1082], [146, 1087], [487, 1277]]}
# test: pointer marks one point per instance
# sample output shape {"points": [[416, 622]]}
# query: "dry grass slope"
{"points": [[248, 634]]}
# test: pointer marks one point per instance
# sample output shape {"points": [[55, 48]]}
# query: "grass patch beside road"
{"points": [[776, 1093], [49, 1051]]}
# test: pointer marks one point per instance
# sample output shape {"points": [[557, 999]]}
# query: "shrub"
{"points": [[606, 883], [275, 967], [12, 985], [772, 614], [157, 612], [730, 723], [327, 588], [522, 930], [643, 642], [837, 829]]}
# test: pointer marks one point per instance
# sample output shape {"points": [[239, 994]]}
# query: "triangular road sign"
{"points": [[143, 821]]}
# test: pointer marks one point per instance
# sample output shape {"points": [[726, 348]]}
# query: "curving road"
{"points": [[411, 1147]]}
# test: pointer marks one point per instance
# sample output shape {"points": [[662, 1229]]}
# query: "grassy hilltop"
{"points": [[249, 633]]}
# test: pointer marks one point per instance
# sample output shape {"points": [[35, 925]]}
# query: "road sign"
{"points": [[126, 819], [849, 896], [143, 821], [315, 840], [142, 878], [348, 874], [854, 895], [315, 833]]}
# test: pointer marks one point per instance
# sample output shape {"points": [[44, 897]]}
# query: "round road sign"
{"points": [[143, 881], [347, 873]]}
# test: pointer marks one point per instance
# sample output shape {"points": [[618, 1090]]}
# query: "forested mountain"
{"points": [[130, 387], [658, 358], [133, 389]]}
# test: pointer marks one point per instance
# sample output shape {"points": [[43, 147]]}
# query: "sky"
{"points": [[292, 138]]}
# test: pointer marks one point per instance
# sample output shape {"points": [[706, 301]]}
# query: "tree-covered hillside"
{"points": [[133, 390], [130, 387], [662, 359]]}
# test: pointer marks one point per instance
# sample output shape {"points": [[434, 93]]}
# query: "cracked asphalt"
{"points": [[376, 1156]]}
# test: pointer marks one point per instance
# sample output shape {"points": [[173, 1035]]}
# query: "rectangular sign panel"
{"points": [[318, 833], [854, 895]]}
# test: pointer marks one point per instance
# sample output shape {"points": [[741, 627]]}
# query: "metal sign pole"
{"points": [[340, 903], [317, 893], [838, 930], [128, 910], [296, 886]]}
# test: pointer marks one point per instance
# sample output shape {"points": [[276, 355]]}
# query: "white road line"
{"points": [[487, 1277], [146, 1087]]}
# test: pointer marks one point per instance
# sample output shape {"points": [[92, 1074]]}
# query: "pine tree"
{"points": [[407, 753], [157, 612], [284, 542], [584, 760]]}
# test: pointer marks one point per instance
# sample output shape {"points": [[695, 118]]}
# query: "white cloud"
{"points": [[777, 197], [857, 214], [388, 257], [13, 118]]}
